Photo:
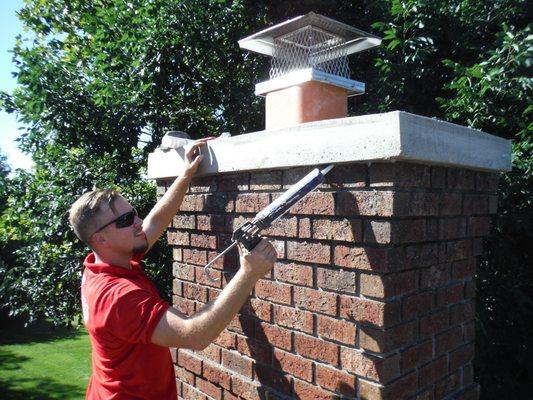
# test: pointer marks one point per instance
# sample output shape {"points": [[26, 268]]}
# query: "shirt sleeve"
{"points": [[134, 316]]}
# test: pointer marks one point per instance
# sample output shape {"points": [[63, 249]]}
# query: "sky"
{"points": [[10, 26]]}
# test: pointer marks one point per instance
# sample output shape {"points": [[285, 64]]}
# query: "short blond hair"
{"points": [[83, 211]]}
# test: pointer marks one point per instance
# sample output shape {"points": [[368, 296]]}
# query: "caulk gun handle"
{"points": [[250, 242]]}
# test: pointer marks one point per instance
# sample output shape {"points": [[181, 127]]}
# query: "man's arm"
{"points": [[164, 210], [199, 330]]}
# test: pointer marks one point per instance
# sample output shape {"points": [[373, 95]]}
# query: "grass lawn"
{"points": [[42, 362]]}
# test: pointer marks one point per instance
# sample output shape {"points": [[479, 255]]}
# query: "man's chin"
{"points": [[140, 248]]}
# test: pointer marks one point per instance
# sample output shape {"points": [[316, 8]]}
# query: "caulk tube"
{"points": [[282, 204]]}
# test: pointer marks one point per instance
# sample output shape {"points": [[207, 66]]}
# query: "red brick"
{"points": [[432, 372], [487, 182], [315, 203], [192, 393], [417, 304], [416, 355], [196, 257], [293, 364], [475, 204], [367, 258], [337, 280], [314, 300], [237, 362], [316, 349], [189, 361], [435, 276], [177, 287], [309, 252], [417, 204], [384, 341], [217, 375], [369, 311], [389, 285], [251, 202], [340, 230], [183, 221], [194, 292], [298, 274], [304, 228], [259, 309], [336, 329], [461, 179], [226, 340], [451, 204], [183, 271], [274, 291], [434, 323], [479, 226], [448, 385], [203, 184], [204, 241], [305, 390], [211, 352], [449, 340], [183, 375], [211, 222], [184, 306], [202, 278], [399, 174], [438, 177], [274, 335], [286, 227], [219, 202], [233, 183], [335, 380], [208, 388], [421, 255], [402, 388], [246, 389], [378, 203], [178, 238], [192, 202], [346, 176], [450, 294], [177, 254], [242, 324], [463, 312], [368, 366], [395, 231], [293, 318], [260, 352], [452, 228], [464, 269], [275, 379], [270, 180]]}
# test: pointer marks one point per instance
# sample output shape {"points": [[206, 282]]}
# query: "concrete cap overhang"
{"points": [[393, 136]]}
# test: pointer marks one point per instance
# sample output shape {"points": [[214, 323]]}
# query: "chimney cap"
{"points": [[356, 40]]}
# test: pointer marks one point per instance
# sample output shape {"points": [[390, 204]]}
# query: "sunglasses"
{"points": [[122, 221]]}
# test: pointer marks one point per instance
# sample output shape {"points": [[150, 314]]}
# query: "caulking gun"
{"points": [[248, 234]]}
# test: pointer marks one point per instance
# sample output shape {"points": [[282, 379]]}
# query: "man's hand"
{"points": [[260, 260], [193, 158]]}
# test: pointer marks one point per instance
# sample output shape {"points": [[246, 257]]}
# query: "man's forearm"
{"points": [[165, 209], [207, 323]]}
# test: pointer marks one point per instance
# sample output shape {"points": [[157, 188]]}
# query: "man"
{"points": [[130, 326]]}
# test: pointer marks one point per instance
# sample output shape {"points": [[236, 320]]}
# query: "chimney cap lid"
{"points": [[356, 40]]}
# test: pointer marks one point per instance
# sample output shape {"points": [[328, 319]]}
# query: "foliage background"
{"points": [[100, 82]]}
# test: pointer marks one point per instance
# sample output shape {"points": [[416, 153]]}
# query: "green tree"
{"points": [[99, 83]]}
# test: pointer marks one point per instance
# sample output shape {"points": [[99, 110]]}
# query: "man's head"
{"points": [[107, 222]]}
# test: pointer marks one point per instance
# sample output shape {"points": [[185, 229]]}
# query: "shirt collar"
{"points": [[90, 263]]}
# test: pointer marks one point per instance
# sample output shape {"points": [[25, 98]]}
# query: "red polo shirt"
{"points": [[121, 308]]}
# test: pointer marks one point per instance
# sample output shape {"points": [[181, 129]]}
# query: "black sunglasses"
{"points": [[123, 221]]}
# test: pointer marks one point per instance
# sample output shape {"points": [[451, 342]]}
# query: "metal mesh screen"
{"points": [[309, 47]]}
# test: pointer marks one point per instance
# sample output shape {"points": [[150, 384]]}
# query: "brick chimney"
{"points": [[372, 296]]}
